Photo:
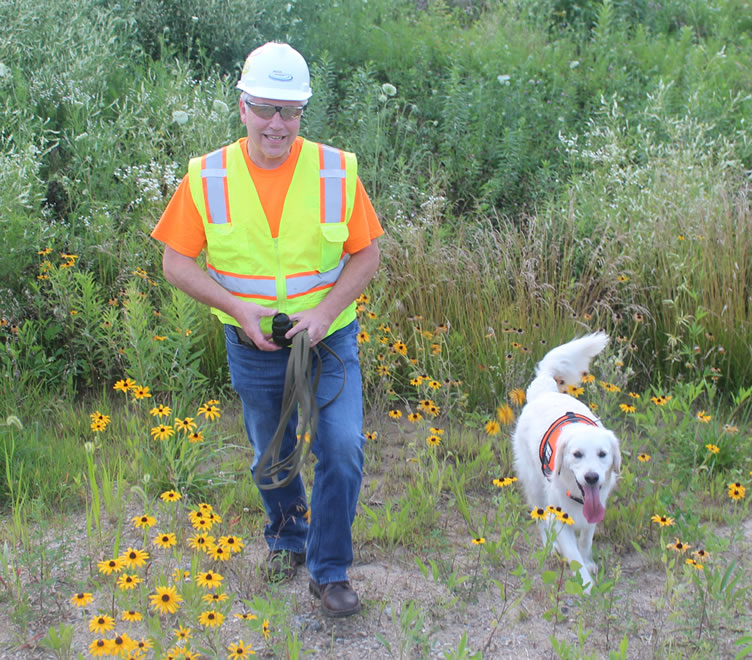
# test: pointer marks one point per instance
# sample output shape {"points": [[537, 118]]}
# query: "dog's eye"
{"points": [[602, 454], [577, 454]]}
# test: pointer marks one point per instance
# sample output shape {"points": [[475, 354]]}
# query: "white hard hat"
{"points": [[277, 72]]}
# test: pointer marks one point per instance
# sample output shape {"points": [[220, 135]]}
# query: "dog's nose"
{"points": [[591, 478]]}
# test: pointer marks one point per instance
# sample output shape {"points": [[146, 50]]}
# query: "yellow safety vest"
{"points": [[296, 270]]}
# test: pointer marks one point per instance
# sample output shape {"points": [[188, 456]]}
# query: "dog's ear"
{"points": [[616, 464], [561, 448]]}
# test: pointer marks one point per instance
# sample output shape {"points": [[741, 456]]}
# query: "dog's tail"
{"points": [[565, 365]]}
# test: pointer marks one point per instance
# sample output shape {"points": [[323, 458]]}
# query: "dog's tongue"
{"points": [[593, 509]]}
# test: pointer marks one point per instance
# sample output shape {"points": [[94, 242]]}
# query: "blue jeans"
{"points": [[258, 377]]}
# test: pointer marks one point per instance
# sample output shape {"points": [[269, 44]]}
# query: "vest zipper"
{"points": [[281, 280]]}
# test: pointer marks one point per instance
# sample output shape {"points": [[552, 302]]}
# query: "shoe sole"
{"points": [[334, 614]]}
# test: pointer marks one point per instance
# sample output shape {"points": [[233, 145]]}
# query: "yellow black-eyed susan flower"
{"points": [[170, 496], [166, 600], [160, 411], [713, 449], [186, 424], [643, 458], [219, 553], [143, 521], [232, 543], [127, 582], [246, 616], [627, 408], [240, 650], [211, 619], [214, 598], [517, 397], [661, 400], [395, 414], [694, 564], [141, 392], [433, 440], [144, 644], [100, 647], [505, 414], [165, 540], [414, 417], [492, 427], [209, 579], [678, 546], [588, 378], [131, 616], [363, 337], [82, 599], [371, 435], [101, 624], [479, 540], [210, 411], [200, 541], [162, 432], [100, 417], [504, 482], [109, 566], [736, 491], [195, 437], [701, 555], [633, 395], [134, 558], [539, 514], [703, 417], [663, 521]]}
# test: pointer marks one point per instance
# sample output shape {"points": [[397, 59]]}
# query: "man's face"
{"points": [[269, 140]]}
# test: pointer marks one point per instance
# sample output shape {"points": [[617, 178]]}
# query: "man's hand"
{"points": [[249, 316], [314, 320]]}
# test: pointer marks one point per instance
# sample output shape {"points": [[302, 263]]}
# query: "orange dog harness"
{"points": [[547, 449]]}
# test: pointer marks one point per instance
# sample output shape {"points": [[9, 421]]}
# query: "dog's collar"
{"points": [[547, 450], [579, 500]]}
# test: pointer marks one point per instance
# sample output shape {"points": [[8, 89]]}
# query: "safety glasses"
{"points": [[266, 111]]}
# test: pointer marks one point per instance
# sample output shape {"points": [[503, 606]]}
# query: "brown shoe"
{"points": [[282, 565], [337, 598]]}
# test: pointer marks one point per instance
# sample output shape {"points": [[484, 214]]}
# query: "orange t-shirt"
{"points": [[182, 228]]}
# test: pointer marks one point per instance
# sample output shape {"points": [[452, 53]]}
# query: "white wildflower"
{"points": [[389, 89], [220, 107]]}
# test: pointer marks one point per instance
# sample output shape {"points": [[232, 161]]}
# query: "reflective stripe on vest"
{"points": [[332, 184], [547, 450], [332, 173], [299, 284], [214, 180]]}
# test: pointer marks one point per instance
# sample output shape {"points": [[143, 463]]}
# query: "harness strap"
{"points": [[547, 450]]}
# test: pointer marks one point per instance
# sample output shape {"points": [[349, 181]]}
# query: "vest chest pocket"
{"points": [[333, 237]]}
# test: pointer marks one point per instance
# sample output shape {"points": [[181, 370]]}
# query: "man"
{"points": [[287, 227]]}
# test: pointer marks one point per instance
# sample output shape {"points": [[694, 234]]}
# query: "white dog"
{"points": [[562, 454]]}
